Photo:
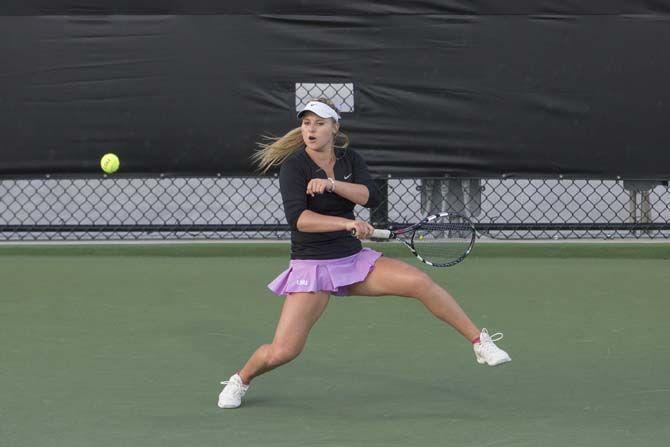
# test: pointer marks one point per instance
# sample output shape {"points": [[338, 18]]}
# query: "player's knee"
{"points": [[418, 284], [280, 354]]}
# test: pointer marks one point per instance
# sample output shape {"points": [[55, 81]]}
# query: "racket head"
{"points": [[442, 240]]}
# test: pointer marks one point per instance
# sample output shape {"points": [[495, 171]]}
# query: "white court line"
{"points": [[144, 242], [575, 241], [282, 241]]}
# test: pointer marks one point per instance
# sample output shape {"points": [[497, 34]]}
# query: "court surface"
{"points": [[126, 345]]}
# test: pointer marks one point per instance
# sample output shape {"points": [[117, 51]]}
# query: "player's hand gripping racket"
{"points": [[440, 240]]}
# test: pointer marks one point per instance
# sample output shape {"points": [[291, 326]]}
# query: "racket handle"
{"points": [[377, 234], [381, 234]]}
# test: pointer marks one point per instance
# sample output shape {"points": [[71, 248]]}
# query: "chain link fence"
{"points": [[118, 208]]}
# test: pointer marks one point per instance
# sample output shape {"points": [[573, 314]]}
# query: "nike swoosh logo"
{"points": [[346, 177]]}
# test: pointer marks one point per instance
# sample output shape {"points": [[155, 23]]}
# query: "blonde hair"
{"points": [[276, 149]]}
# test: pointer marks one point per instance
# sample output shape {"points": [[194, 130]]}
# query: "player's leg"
{"points": [[394, 277], [299, 313]]}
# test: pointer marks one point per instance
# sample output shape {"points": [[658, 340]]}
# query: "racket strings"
{"points": [[443, 241]]}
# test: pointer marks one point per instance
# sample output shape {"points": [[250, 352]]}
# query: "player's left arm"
{"points": [[369, 195], [362, 190], [359, 194]]}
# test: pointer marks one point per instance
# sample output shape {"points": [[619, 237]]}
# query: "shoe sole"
{"points": [[481, 361], [228, 406]]}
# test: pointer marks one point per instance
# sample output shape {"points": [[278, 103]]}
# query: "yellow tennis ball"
{"points": [[109, 163]]}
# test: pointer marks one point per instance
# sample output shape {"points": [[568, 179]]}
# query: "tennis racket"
{"points": [[440, 240]]}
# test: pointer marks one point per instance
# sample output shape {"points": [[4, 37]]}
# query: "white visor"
{"points": [[321, 109]]}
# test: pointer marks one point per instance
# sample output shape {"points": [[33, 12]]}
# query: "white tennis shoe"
{"points": [[487, 352], [234, 390]]}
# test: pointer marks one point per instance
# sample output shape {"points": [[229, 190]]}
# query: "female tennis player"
{"points": [[320, 183]]}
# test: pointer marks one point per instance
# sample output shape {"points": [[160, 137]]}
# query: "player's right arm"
{"points": [[311, 222]]}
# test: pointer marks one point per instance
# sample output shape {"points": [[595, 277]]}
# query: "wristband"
{"points": [[332, 185]]}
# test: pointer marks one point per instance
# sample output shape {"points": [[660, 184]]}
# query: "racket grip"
{"points": [[381, 234], [377, 234]]}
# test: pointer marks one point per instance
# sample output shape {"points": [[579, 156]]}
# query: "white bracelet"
{"points": [[332, 184]]}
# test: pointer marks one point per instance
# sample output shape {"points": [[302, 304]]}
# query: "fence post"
{"points": [[379, 216]]}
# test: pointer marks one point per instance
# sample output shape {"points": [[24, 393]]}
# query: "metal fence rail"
{"points": [[117, 208]]}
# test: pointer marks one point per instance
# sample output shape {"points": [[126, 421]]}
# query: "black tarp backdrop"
{"points": [[467, 88]]}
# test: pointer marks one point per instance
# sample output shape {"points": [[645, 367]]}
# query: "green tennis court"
{"points": [[125, 345]]}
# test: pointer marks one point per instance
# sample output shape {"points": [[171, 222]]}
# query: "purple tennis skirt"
{"points": [[329, 275]]}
